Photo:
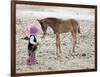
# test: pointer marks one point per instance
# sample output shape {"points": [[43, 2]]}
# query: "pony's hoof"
{"points": [[73, 51], [57, 54]]}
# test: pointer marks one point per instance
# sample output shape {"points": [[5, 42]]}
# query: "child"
{"points": [[32, 46]]}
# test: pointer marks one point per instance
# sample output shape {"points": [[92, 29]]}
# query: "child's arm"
{"points": [[25, 38]]}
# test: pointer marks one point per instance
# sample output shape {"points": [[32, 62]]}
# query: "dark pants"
{"points": [[32, 56]]}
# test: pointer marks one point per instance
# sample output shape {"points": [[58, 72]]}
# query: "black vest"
{"points": [[35, 40], [29, 44]]}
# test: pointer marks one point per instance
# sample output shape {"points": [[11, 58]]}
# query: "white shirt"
{"points": [[31, 40]]}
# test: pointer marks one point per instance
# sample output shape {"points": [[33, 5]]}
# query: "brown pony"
{"points": [[61, 26]]}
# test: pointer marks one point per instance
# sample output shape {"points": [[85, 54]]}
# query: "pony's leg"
{"points": [[57, 43], [74, 41]]}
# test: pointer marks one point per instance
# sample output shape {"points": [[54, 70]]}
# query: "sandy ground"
{"points": [[83, 58]]}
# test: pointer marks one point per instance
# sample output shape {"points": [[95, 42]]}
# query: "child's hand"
{"points": [[37, 44]]}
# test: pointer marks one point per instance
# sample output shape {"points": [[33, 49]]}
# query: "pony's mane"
{"points": [[52, 19]]}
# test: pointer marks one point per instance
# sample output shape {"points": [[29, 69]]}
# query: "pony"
{"points": [[61, 26]]}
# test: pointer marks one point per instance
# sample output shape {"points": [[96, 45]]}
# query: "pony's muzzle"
{"points": [[43, 36]]}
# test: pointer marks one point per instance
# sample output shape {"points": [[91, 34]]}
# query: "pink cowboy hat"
{"points": [[33, 30]]}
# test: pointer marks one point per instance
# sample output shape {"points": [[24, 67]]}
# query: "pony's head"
{"points": [[43, 26]]}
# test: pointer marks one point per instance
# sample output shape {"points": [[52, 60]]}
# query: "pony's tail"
{"points": [[76, 26]]}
